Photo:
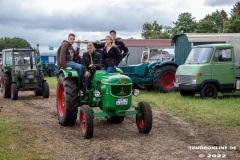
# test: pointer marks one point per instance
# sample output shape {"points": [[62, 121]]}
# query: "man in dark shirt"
{"points": [[121, 46], [22, 60], [91, 61]]}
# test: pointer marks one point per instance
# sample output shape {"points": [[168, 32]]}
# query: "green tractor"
{"points": [[111, 92], [21, 70]]}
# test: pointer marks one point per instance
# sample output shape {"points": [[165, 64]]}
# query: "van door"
{"points": [[223, 68]]}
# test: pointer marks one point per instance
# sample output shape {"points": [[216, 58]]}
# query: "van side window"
{"points": [[223, 55]]}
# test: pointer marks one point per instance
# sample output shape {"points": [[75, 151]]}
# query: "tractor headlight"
{"points": [[97, 93], [135, 92]]}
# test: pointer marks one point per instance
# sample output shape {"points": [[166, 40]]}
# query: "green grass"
{"points": [[52, 81], [221, 112], [13, 144]]}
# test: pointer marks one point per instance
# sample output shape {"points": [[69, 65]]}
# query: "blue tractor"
{"points": [[156, 70]]}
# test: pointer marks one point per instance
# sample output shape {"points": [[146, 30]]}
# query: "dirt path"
{"points": [[170, 138]]}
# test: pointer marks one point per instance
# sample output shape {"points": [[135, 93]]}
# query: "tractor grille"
{"points": [[121, 90], [185, 79]]}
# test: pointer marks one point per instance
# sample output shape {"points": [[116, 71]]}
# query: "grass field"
{"points": [[221, 112]]}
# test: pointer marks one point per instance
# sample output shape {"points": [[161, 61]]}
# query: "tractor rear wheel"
{"points": [[14, 91], [86, 121], [6, 85], [144, 122], [115, 119], [164, 78], [45, 90], [67, 101]]}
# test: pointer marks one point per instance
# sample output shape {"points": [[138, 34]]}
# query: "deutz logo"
{"points": [[122, 92], [122, 80]]}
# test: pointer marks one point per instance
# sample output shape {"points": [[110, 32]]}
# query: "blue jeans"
{"points": [[76, 66], [110, 69]]}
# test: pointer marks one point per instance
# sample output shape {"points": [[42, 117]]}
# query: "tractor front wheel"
{"points": [[86, 121], [67, 101], [45, 90], [14, 91], [144, 120]]}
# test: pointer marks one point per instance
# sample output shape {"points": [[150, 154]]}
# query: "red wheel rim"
{"points": [[141, 121], [61, 100], [82, 122], [168, 79]]}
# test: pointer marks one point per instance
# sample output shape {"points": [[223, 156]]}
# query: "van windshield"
{"points": [[199, 55]]}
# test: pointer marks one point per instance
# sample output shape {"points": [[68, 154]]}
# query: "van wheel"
{"points": [[209, 91]]}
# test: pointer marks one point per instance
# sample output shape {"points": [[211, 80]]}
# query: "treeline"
{"points": [[217, 22], [13, 43]]}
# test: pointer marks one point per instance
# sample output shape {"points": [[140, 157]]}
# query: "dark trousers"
{"points": [[87, 83]]}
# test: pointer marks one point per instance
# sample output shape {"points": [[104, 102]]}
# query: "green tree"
{"points": [[13, 43], [185, 23], [236, 9], [212, 23], [233, 24], [154, 31]]}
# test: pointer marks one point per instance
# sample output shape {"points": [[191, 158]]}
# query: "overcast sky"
{"points": [[49, 22]]}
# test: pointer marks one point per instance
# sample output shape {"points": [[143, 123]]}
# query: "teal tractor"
{"points": [[21, 70], [156, 70], [111, 92]]}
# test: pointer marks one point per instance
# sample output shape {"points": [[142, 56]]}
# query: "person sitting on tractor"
{"points": [[22, 61], [66, 55], [111, 55], [91, 61]]}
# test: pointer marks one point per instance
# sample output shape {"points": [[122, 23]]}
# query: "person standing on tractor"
{"points": [[111, 55], [121, 46], [91, 61], [66, 55]]}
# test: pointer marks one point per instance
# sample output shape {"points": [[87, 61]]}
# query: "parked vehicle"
{"points": [[156, 70], [210, 69], [112, 93], [49, 60], [27, 76]]}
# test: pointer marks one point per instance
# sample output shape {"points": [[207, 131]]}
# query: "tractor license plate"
{"points": [[121, 102]]}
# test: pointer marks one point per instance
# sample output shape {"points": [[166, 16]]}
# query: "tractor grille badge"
{"points": [[122, 80], [122, 92]]}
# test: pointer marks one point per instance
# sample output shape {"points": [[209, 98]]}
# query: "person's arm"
{"points": [[124, 48], [98, 45], [63, 55], [98, 64], [118, 56]]}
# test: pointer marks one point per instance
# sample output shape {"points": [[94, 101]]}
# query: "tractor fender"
{"points": [[161, 64], [68, 73]]}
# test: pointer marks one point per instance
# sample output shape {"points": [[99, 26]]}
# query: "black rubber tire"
{"points": [[144, 123], [209, 91], [14, 91], [45, 90], [115, 119], [185, 93], [6, 85], [86, 121], [38, 92], [67, 101], [164, 79]]}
